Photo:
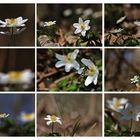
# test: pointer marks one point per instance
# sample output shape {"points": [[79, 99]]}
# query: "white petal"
{"points": [[78, 30], [95, 78], [68, 67], [80, 70], [87, 28], [48, 122], [80, 21], [87, 22], [76, 25], [2, 22], [59, 64], [87, 62], [75, 53], [123, 101], [76, 65], [59, 121], [3, 25], [59, 57], [89, 80], [83, 33]]}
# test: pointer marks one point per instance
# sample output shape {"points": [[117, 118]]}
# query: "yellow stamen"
{"points": [[14, 75], [11, 21], [53, 118], [91, 71], [82, 26]]}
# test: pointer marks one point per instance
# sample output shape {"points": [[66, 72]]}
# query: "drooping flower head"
{"points": [[130, 113], [27, 117], [69, 61], [92, 72], [52, 119], [82, 27], [13, 22], [49, 23], [117, 104]]}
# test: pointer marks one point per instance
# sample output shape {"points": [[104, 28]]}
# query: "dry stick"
{"points": [[48, 75]]}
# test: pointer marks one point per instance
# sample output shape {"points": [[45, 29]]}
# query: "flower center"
{"points": [[11, 21], [117, 104], [53, 118], [91, 71], [82, 26], [68, 58], [28, 116], [14, 75]]}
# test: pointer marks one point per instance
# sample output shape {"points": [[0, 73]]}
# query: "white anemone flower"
{"points": [[23, 77], [13, 22], [92, 72], [27, 117], [69, 61], [82, 27], [4, 115], [135, 79], [117, 104], [49, 23], [130, 113], [52, 119]]}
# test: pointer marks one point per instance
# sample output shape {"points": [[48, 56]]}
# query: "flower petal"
{"points": [[48, 122], [87, 28], [87, 62], [2, 22], [76, 25], [59, 121], [87, 22], [78, 30], [59, 64], [83, 33], [89, 80], [95, 78], [75, 53], [59, 57], [68, 67], [80, 20], [76, 65]]}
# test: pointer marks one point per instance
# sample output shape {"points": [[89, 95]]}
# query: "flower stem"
{"points": [[12, 37], [131, 125], [52, 127]]}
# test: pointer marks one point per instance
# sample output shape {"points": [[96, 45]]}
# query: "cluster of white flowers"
{"points": [[69, 61], [126, 110], [17, 25]]}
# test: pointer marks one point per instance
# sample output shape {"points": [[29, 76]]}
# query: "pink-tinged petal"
{"points": [[89, 80], [68, 67], [59, 64], [59, 121], [78, 30], [48, 122], [76, 25], [59, 57], [83, 33], [87, 22]]}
